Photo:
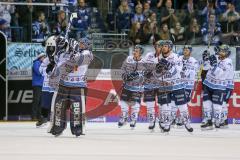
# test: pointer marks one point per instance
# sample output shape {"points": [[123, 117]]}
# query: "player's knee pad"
{"points": [[165, 113], [174, 109], [124, 106], [135, 110], [184, 114], [217, 110], [207, 109]]}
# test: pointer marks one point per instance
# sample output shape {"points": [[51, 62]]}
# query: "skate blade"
{"points": [[57, 135], [41, 126], [207, 129], [224, 127]]}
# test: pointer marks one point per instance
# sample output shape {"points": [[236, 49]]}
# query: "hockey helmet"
{"points": [[86, 43], [51, 47], [225, 48], [159, 43], [140, 47], [169, 43], [188, 47]]}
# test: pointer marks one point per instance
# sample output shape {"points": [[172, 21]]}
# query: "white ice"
{"points": [[104, 141]]}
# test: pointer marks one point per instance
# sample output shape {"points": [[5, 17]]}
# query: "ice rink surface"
{"points": [[105, 141]]}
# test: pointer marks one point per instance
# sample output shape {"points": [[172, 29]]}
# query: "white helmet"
{"points": [[51, 47]]}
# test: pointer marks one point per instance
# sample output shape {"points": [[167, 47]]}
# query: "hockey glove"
{"points": [[131, 76], [148, 74], [163, 65], [205, 55], [213, 60], [50, 67]]}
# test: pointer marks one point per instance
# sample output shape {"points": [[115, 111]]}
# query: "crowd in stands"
{"points": [[145, 21]]}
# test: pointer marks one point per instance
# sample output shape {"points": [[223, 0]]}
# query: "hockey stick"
{"points": [[210, 37], [73, 15]]}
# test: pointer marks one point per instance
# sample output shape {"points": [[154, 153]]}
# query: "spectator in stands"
{"points": [[138, 16], [193, 32], [123, 16], [168, 14], [155, 4], [211, 31], [164, 32], [37, 82], [150, 32], [209, 9], [61, 25], [146, 9], [231, 16], [25, 19], [5, 29], [177, 32], [82, 23], [152, 17], [5, 12], [136, 33], [40, 28], [221, 5], [190, 9]]}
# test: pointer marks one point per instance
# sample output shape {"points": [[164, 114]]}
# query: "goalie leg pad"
{"points": [[77, 111]]}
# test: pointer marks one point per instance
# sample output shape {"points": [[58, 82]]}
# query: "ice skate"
{"points": [[122, 121], [151, 125], [41, 122], [208, 125], [133, 124], [224, 124]]}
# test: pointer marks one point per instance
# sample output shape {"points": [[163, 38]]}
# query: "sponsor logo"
{"points": [[21, 96], [236, 121]]}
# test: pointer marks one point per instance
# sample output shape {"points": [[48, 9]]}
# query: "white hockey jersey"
{"points": [[217, 75], [73, 68], [47, 87], [171, 80], [150, 61], [190, 68], [130, 66]]}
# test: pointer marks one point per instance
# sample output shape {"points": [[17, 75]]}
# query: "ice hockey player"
{"points": [[215, 88], [47, 90], [71, 66], [132, 75], [224, 52], [171, 89], [151, 84], [188, 73]]}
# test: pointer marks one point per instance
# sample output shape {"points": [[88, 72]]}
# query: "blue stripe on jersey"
{"points": [[134, 88], [213, 86], [48, 89], [172, 88], [73, 84]]}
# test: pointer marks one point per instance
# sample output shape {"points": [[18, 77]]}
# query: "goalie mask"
{"points": [[51, 48]]}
